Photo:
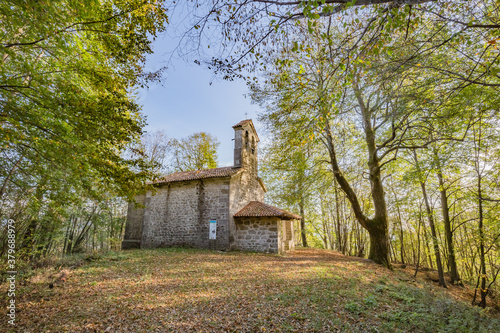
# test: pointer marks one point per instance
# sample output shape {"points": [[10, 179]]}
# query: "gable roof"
{"points": [[199, 174], [260, 209], [247, 121]]}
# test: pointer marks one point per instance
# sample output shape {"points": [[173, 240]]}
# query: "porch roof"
{"points": [[260, 209]]}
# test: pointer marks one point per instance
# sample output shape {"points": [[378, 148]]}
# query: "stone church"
{"points": [[218, 208]]}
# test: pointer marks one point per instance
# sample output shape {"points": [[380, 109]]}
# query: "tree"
{"points": [[67, 69], [197, 151], [305, 93], [288, 168], [67, 111], [157, 147]]}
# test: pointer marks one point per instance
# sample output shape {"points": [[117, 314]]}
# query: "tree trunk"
{"points": [[302, 222], [337, 222], [324, 224], [455, 278], [28, 241], [66, 237], [417, 263], [435, 244], [379, 244], [71, 235], [482, 260], [430, 218], [427, 248], [401, 234]]}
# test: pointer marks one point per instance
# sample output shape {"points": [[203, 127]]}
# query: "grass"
{"points": [[186, 290]]}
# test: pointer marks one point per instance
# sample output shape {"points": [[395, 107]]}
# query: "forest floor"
{"points": [[184, 290]]}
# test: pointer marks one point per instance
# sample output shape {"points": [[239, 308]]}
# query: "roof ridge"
{"points": [[244, 121], [198, 170], [220, 172]]}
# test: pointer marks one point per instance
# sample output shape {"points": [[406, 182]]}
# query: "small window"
{"points": [[253, 145], [246, 139]]}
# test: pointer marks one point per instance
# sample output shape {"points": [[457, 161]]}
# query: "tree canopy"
{"points": [[238, 37], [197, 151], [67, 71]]}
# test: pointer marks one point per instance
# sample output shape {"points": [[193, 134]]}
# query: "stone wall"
{"points": [[259, 234], [287, 242], [179, 214], [244, 188], [133, 228]]}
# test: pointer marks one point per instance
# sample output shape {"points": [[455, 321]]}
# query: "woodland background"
{"points": [[383, 122]]}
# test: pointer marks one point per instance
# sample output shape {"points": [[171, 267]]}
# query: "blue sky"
{"points": [[186, 103]]}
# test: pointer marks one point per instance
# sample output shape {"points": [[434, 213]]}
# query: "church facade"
{"points": [[218, 208]]}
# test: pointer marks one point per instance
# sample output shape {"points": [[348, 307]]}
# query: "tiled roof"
{"points": [[198, 174], [243, 122], [260, 209]]}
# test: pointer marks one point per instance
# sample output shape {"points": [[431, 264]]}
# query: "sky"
{"points": [[185, 103]]}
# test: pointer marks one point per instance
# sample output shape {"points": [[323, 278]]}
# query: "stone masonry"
{"points": [[178, 214], [259, 234]]}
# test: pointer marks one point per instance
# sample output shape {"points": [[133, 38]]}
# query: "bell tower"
{"points": [[245, 146]]}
